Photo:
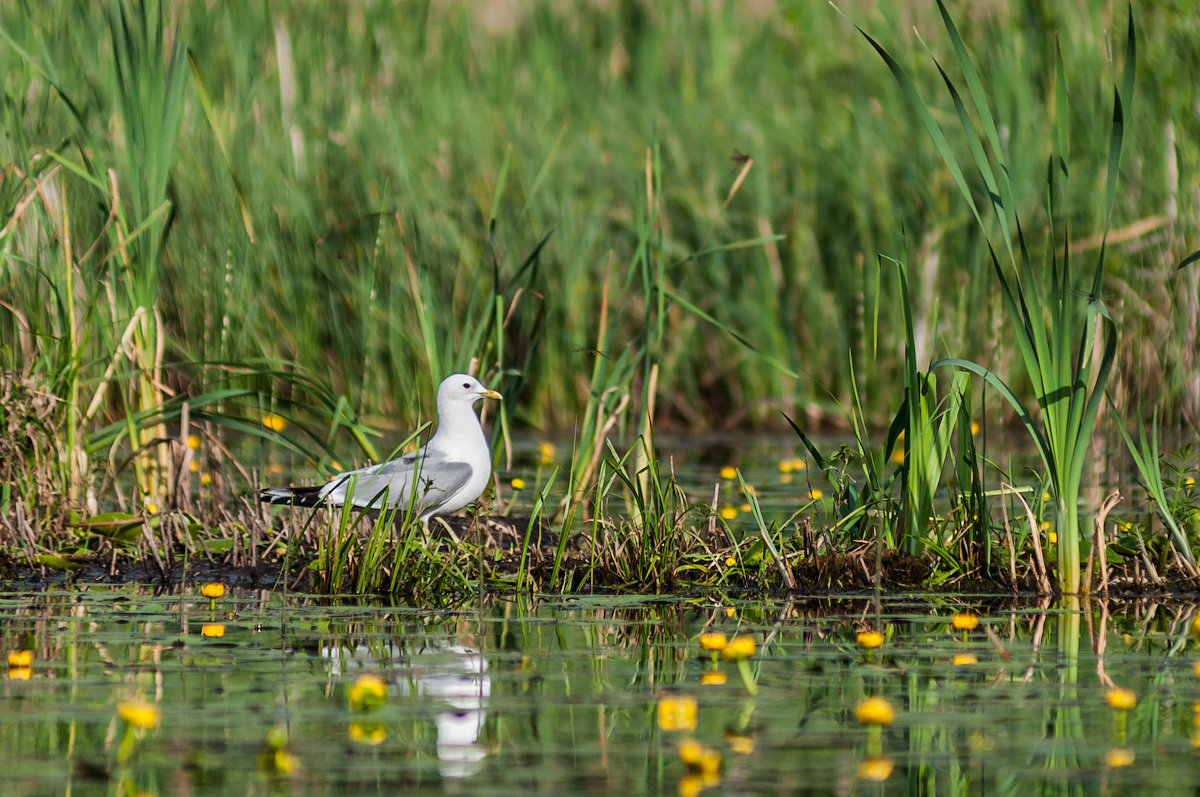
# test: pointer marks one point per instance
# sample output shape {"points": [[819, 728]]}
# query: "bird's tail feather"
{"points": [[294, 496]]}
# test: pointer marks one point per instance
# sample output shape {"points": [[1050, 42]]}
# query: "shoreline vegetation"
{"points": [[244, 240]]}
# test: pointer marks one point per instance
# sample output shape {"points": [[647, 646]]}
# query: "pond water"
{"points": [[269, 693]]}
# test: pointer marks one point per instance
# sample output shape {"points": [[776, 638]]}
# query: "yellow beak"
{"points": [[492, 394]]}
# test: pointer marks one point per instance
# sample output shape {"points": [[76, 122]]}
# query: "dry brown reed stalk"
{"points": [[1040, 570], [1099, 554]]}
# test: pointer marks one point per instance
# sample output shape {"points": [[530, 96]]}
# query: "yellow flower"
{"points": [[368, 692], [274, 422], [712, 678], [20, 658], [785, 478], [1119, 757], [19, 673], [730, 611], [713, 640], [815, 495], [194, 466], [518, 484], [372, 733], [1189, 482], [285, 763], [876, 769], [739, 743], [677, 713], [965, 621], [1120, 698], [960, 659], [213, 630], [1052, 538], [545, 452], [193, 441], [213, 589], [740, 647], [730, 561], [1195, 629], [728, 472], [206, 479], [152, 509], [138, 713], [744, 507], [869, 640], [729, 512], [974, 428], [1196, 668], [875, 711]]}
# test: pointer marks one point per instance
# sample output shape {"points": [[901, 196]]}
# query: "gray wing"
{"points": [[392, 482]]}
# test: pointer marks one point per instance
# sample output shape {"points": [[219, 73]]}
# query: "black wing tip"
{"points": [[291, 496]]}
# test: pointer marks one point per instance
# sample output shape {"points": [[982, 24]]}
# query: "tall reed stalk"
{"points": [[1053, 323]]}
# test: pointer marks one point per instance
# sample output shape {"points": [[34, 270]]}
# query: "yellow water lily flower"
{"points": [[728, 472], [518, 484], [274, 422], [367, 692], [712, 678], [868, 640], [213, 630], [213, 590], [372, 733], [545, 452], [729, 512], [1121, 699], [875, 711], [20, 658], [740, 647], [138, 713], [677, 712], [961, 659], [713, 640], [965, 621]]}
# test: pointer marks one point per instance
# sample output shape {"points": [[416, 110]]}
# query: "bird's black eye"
{"points": [[467, 385]]}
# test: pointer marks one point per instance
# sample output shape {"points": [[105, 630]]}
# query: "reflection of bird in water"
{"points": [[452, 673]]}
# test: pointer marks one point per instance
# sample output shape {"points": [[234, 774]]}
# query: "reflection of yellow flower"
{"points": [[138, 713], [876, 769], [868, 640], [728, 472], [785, 478], [739, 743], [1196, 668], [372, 733], [1119, 757], [713, 640], [274, 422], [213, 630], [19, 673], [740, 647], [20, 658], [1120, 698], [690, 785], [875, 711], [213, 589], [699, 757], [965, 621], [518, 484], [677, 712], [729, 512], [712, 678], [960, 659], [545, 452], [284, 762], [367, 692]]}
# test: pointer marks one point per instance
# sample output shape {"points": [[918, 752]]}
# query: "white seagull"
{"points": [[448, 473]]}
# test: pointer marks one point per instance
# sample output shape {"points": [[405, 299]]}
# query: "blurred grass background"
{"points": [[359, 191]]}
